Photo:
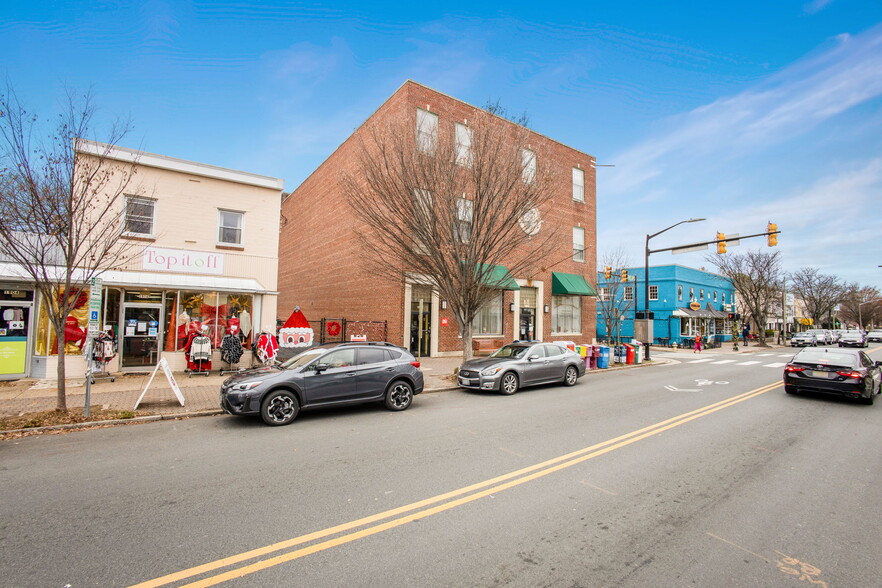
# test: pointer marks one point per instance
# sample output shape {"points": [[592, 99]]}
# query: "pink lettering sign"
{"points": [[181, 261]]}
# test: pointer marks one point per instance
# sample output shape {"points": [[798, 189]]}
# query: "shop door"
{"points": [[527, 330], [421, 322], [14, 339], [140, 336]]}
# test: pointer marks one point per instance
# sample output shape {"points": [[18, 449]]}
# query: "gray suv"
{"points": [[335, 374]]}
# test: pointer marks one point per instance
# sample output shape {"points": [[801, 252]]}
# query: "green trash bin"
{"points": [[639, 350]]}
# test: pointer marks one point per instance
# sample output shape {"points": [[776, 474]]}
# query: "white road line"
{"points": [[748, 362], [775, 365], [785, 355], [725, 361], [701, 360], [764, 354]]}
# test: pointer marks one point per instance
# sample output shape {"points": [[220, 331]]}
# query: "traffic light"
{"points": [[733, 316], [624, 275], [773, 238], [721, 243], [607, 272]]}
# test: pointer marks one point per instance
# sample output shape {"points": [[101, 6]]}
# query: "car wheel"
{"points": [[279, 408], [509, 384], [571, 375], [399, 395], [869, 400]]}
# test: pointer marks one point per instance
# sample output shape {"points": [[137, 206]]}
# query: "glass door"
{"points": [[14, 339], [421, 321], [140, 335]]}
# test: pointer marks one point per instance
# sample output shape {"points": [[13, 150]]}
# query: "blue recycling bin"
{"points": [[603, 360]]}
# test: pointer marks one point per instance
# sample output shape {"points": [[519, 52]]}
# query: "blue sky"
{"points": [[737, 112]]}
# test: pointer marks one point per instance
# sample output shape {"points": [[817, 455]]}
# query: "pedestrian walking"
{"points": [[697, 348], [744, 333]]}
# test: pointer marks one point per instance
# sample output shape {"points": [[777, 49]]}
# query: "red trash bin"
{"points": [[595, 355], [629, 354]]}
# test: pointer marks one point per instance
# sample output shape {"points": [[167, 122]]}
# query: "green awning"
{"points": [[498, 277], [572, 284]]}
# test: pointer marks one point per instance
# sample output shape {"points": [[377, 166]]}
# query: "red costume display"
{"points": [[267, 348]]}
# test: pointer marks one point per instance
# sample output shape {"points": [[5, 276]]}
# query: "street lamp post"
{"points": [[646, 273]]}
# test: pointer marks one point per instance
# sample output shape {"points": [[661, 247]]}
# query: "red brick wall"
{"points": [[322, 269]]}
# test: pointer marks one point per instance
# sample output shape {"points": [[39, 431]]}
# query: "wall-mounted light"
{"points": [[546, 309], [443, 305], [511, 307]]}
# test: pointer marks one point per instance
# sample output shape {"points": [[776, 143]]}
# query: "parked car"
{"points": [[853, 339], [875, 335], [822, 335], [846, 372], [334, 374], [837, 334], [518, 365], [805, 339]]}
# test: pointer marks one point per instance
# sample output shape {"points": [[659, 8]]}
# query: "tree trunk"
{"points": [[467, 352], [61, 402]]}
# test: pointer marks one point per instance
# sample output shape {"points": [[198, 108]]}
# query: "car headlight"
{"points": [[491, 371], [246, 386]]}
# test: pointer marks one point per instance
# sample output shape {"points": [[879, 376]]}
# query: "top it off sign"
{"points": [[179, 260]]}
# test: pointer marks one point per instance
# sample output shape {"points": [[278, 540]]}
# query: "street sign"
{"points": [[96, 288]]}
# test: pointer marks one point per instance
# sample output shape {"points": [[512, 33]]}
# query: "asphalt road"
{"points": [[693, 474]]}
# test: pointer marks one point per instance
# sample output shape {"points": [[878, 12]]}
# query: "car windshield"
{"points": [[510, 351], [821, 357], [302, 359]]}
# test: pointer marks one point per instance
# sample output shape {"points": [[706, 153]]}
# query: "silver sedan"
{"points": [[518, 365]]}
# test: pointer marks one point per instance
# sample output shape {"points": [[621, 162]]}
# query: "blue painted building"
{"points": [[684, 301]]}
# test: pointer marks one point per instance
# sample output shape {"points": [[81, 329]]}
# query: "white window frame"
{"points": [[604, 293], [528, 165], [653, 292], [463, 144], [579, 244], [629, 293], [465, 210], [129, 199], [578, 184], [566, 315], [221, 227], [426, 131]]}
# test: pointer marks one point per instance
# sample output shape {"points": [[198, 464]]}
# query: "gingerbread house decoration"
{"points": [[296, 331]]}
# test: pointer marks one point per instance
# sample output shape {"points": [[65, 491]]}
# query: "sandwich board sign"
{"points": [[166, 369]]}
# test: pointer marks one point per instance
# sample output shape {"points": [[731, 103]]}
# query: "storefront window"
{"points": [[212, 313], [110, 322], [489, 318], [75, 328], [566, 314]]}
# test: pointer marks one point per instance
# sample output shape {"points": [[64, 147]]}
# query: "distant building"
{"points": [[683, 300], [322, 269]]}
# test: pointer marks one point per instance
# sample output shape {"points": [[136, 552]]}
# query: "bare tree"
{"points": [[861, 305], [611, 301], [756, 276], [61, 213], [450, 207], [820, 293]]}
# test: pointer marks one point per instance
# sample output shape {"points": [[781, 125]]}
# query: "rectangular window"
{"points": [[578, 244], [422, 204], [653, 292], [489, 319], [701, 293], [463, 145], [566, 314], [679, 292], [427, 131], [463, 228], [604, 293], [140, 216], [578, 185], [629, 292], [528, 166], [229, 227]]}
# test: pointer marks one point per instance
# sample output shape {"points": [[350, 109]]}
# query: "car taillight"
{"points": [[851, 374], [794, 368], [415, 364]]}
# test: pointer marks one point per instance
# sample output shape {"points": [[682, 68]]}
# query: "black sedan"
{"points": [[517, 365], [844, 372]]}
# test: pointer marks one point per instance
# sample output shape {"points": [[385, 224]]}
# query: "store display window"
{"points": [[212, 313]]}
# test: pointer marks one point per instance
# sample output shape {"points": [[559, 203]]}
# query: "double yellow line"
{"points": [[424, 508]]}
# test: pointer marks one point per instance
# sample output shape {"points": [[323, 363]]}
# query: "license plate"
{"points": [[819, 374]]}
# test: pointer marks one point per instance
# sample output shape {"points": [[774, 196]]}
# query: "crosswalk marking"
{"points": [[775, 365], [701, 360], [725, 361], [748, 362], [764, 354], [785, 355]]}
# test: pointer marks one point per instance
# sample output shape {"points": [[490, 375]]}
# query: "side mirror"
{"points": [[532, 357], [320, 367]]}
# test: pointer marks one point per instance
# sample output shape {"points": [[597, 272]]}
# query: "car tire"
{"points": [[279, 408], [399, 395], [869, 400], [571, 375], [509, 384]]}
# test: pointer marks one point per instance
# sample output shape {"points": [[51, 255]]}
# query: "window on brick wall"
{"points": [[488, 321], [463, 145], [566, 314], [140, 215], [422, 204], [229, 227], [578, 244], [464, 211], [528, 166], [427, 131], [578, 185]]}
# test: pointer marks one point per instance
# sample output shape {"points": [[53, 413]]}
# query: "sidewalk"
{"points": [[201, 393]]}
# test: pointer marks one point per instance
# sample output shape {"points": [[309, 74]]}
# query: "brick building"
{"points": [[322, 269]]}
